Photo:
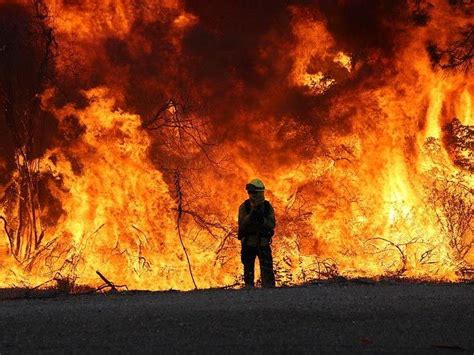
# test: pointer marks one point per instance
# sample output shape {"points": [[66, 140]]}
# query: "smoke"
{"points": [[232, 61]]}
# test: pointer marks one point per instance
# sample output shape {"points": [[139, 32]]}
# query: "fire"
{"points": [[157, 115], [343, 60]]}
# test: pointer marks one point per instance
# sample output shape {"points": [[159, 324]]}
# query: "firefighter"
{"points": [[256, 229]]}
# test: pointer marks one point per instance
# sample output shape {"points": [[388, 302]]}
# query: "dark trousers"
{"points": [[264, 254]]}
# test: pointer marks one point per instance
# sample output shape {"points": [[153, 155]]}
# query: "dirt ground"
{"points": [[324, 317]]}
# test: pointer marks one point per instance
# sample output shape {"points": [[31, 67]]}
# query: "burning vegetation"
{"points": [[129, 129]]}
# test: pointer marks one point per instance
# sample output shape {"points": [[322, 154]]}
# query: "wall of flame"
{"points": [[335, 105]]}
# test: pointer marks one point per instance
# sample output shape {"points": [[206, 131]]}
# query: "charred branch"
{"points": [[459, 139], [458, 54], [26, 67], [180, 131], [107, 282], [327, 268], [143, 263], [399, 247], [453, 203], [179, 216]]}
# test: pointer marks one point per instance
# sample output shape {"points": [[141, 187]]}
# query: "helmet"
{"points": [[255, 185]]}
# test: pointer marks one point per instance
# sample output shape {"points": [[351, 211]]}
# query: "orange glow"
{"points": [[361, 169]]}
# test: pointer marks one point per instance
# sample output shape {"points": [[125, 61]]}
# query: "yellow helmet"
{"points": [[255, 185]]}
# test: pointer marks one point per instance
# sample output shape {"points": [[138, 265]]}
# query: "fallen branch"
{"points": [[108, 283]]}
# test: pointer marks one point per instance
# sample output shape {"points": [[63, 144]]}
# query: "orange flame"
{"points": [[365, 184]]}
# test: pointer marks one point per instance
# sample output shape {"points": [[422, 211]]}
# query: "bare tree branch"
{"points": [[179, 215]]}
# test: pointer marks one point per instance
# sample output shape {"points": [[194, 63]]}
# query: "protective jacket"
{"points": [[256, 223]]}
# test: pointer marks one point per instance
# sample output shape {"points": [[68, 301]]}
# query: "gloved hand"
{"points": [[257, 215]]}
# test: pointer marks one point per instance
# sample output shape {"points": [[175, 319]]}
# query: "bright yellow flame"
{"points": [[464, 111], [343, 60]]}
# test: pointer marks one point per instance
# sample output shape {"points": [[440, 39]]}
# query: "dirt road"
{"points": [[415, 318]]}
